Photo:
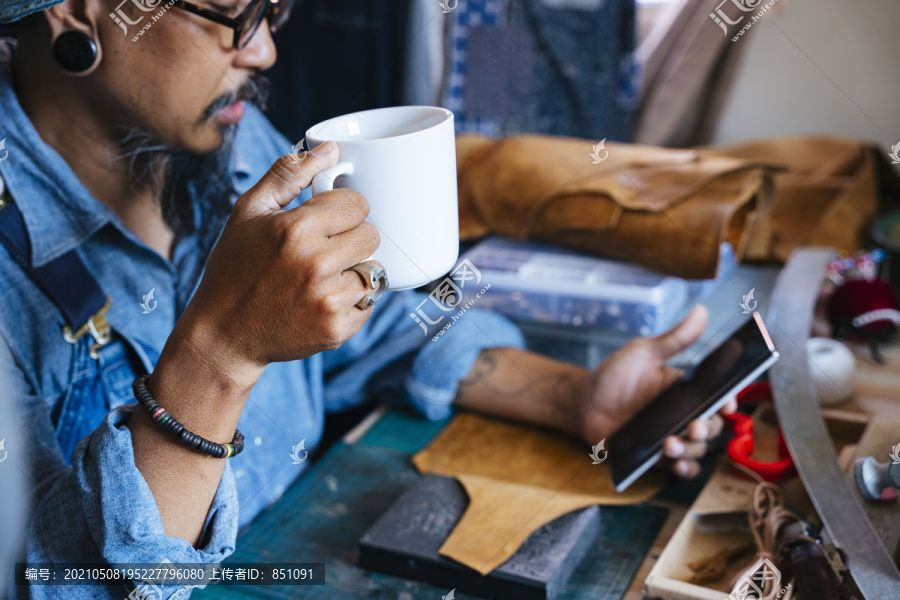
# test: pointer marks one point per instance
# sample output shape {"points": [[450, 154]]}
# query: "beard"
{"points": [[179, 177]]}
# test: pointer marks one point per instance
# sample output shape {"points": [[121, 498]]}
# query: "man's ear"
{"points": [[76, 16]]}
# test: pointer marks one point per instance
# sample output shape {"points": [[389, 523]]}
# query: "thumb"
{"points": [[682, 335], [284, 181]]}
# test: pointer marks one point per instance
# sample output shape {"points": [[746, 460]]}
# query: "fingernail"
{"points": [[676, 448], [701, 432], [682, 468], [322, 149]]}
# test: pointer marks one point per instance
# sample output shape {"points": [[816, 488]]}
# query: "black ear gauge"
{"points": [[75, 51]]}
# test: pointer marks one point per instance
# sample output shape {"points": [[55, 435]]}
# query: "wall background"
{"points": [[818, 66]]}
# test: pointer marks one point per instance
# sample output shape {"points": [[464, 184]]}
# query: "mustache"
{"points": [[254, 90]]}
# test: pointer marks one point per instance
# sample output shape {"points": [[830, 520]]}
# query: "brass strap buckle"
{"points": [[98, 327]]}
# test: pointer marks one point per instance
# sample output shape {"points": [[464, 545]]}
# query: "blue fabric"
{"points": [[13, 10], [558, 67], [90, 503], [64, 280]]}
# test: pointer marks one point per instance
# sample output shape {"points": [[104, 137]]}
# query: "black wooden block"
{"points": [[405, 542]]}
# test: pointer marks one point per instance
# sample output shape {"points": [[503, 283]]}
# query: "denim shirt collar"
{"points": [[59, 211]]}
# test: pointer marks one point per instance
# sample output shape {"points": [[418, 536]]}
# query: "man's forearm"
{"points": [[207, 399], [520, 385]]}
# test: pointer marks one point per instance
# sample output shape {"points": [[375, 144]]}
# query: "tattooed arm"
{"points": [[512, 383], [590, 404]]}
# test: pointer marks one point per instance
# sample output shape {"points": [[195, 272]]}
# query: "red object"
{"points": [[864, 309], [740, 448]]}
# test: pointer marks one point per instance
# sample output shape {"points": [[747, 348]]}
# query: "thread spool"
{"points": [[831, 366]]}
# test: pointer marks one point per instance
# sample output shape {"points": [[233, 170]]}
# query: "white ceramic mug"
{"points": [[403, 160]]}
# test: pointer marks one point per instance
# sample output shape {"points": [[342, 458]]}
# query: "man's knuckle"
{"points": [[285, 166], [370, 234], [333, 306], [289, 234], [351, 196], [332, 336], [354, 201], [297, 159], [240, 205], [282, 233], [317, 270]]}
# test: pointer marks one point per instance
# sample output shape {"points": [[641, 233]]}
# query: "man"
{"points": [[139, 158]]}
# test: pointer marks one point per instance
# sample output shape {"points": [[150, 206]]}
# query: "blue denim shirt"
{"points": [[89, 502]]}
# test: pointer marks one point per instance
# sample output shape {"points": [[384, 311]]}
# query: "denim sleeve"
{"points": [[101, 510], [436, 362], [447, 358]]}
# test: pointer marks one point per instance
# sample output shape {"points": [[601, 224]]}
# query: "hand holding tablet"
{"points": [[638, 444]]}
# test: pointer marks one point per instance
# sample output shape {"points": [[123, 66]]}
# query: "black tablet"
{"points": [[638, 445]]}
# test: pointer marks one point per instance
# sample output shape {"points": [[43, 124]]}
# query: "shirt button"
{"points": [[257, 440]]}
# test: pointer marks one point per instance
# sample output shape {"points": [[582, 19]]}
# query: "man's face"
{"points": [[180, 80]]}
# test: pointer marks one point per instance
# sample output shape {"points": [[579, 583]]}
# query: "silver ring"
{"points": [[375, 278]]}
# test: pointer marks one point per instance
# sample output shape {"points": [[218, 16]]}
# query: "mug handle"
{"points": [[324, 181]]}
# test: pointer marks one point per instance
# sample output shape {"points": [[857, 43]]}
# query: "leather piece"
{"points": [[518, 478], [669, 209], [825, 192], [406, 539]]}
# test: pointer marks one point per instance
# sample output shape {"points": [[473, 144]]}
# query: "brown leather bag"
{"points": [[668, 209], [825, 193]]}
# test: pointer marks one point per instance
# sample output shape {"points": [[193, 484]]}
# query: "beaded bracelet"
{"points": [[170, 424]]}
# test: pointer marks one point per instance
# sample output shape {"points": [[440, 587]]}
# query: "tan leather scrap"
{"points": [[668, 209], [518, 478]]}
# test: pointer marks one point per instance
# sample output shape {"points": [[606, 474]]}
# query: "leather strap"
{"points": [[65, 280]]}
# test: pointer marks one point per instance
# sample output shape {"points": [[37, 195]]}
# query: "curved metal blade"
{"points": [[837, 503]]}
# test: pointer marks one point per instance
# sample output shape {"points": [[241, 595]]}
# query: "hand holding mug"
{"points": [[276, 285], [403, 160]]}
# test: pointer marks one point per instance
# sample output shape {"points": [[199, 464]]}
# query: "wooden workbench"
{"points": [[321, 517], [876, 395]]}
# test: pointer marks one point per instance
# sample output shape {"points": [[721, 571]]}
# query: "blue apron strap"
{"points": [[65, 281]]}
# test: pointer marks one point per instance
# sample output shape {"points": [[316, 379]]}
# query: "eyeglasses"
{"points": [[246, 23]]}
